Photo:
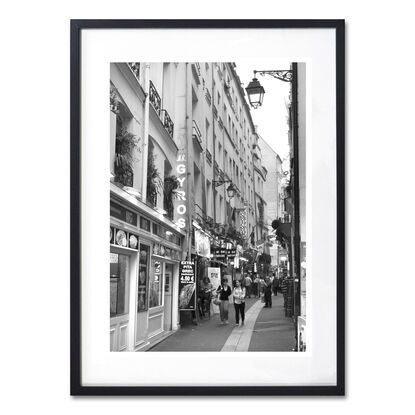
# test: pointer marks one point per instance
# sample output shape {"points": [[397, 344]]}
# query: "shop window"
{"points": [[118, 284], [145, 224], [142, 278], [155, 286]]}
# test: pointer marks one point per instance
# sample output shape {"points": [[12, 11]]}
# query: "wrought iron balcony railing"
{"points": [[208, 97], [208, 156], [196, 71], [135, 68], [215, 111], [155, 99], [196, 132], [168, 123]]}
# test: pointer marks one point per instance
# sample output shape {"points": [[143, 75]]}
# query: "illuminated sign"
{"points": [[181, 192]]}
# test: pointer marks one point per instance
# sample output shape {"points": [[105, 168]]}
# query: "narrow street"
{"points": [[265, 329]]}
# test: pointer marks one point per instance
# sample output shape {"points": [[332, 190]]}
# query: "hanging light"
{"points": [[231, 191], [255, 93]]}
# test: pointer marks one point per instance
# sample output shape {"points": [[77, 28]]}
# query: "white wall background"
{"points": [[34, 135]]}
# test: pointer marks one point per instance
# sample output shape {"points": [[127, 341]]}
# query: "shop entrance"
{"points": [[168, 283], [119, 296]]}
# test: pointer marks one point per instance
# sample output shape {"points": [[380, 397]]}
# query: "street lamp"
{"points": [[256, 91], [231, 190]]}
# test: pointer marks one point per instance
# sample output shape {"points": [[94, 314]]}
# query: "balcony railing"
{"points": [[135, 68], [216, 165], [208, 156], [208, 97], [196, 72], [168, 123], [155, 99], [215, 111], [196, 132], [220, 122]]}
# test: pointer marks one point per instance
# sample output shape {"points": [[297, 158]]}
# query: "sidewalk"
{"points": [[265, 329], [207, 336], [273, 332]]}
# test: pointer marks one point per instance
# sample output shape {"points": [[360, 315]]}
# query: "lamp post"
{"points": [[256, 93]]}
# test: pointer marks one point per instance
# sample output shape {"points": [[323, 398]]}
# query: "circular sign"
{"points": [[121, 238], [133, 241]]}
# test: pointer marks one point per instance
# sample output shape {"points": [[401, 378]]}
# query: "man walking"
{"points": [[248, 284]]}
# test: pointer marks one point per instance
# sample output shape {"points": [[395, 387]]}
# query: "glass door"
{"points": [[119, 294]]}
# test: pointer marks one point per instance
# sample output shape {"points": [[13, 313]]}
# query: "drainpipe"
{"points": [[188, 141], [146, 130], [296, 253]]}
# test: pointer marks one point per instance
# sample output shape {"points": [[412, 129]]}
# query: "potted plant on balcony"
{"points": [[125, 145], [154, 184], [170, 185]]}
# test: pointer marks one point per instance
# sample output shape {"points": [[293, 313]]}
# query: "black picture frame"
{"points": [[76, 387]]}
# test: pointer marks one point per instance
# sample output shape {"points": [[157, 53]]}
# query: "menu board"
{"points": [[187, 286]]}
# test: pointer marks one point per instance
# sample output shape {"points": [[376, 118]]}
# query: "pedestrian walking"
{"points": [[257, 286], [224, 292], [248, 285], [275, 284], [267, 292], [239, 294]]}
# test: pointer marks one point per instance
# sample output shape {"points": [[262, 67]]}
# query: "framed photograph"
{"points": [[213, 153]]}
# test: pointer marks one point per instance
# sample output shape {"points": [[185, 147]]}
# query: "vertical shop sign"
{"points": [[187, 286], [181, 192]]}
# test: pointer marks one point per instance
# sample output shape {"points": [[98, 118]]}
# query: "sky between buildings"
{"points": [[271, 118]]}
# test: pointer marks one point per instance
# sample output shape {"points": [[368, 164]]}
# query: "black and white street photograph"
{"points": [[208, 207]]}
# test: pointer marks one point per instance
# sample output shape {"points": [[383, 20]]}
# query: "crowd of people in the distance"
{"points": [[248, 286]]}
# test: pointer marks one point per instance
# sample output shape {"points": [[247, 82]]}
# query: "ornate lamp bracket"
{"points": [[282, 75]]}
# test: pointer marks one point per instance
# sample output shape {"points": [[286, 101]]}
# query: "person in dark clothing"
{"points": [[224, 292], [268, 292], [275, 284]]}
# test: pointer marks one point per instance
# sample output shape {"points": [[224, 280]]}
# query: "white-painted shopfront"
{"points": [[145, 250]]}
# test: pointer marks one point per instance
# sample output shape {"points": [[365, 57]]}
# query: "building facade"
{"points": [[183, 186], [272, 195]]}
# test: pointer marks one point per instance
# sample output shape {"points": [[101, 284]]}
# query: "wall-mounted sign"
{"points": [[187, 285], [202, 244], [218, 253], [181, 192], [231, 252]]}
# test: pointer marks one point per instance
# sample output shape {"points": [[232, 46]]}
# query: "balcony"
{"points": [[208, 97], [208, 156], [135, 69], [216, 165], [155, 99], [197, 135], [168, 123], [215, 112], [196, 72], [220, 122]]}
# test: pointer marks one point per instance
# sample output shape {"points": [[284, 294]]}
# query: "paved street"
{"points": [[265, 329]]}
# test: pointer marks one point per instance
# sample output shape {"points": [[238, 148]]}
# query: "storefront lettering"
{"points": [[181, 193]]}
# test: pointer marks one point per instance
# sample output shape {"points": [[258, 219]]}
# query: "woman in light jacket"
{"points": [[239, 294]]}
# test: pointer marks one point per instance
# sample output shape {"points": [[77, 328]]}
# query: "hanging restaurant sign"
{"points": [[187, 285], [202, 244], [218, 252]]}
